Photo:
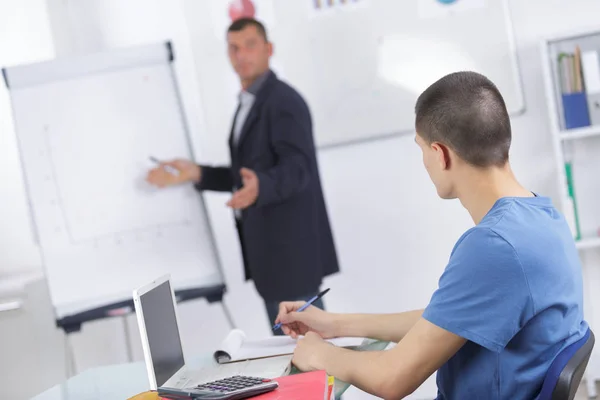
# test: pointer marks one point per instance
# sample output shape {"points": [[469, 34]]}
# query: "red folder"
{"points": [[315, 385]]}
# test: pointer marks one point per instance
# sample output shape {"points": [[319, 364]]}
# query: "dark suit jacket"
{"points": [[286, 238]]}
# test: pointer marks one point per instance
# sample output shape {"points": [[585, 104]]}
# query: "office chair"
{"points": [[566, 371]]}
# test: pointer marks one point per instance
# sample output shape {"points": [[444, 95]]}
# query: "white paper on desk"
{"points": [[272, 367], [237, 346]]}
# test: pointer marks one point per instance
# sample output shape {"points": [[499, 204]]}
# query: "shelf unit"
{"points": [[580, 133], [588, 243], [570, 147], [565, 140]]}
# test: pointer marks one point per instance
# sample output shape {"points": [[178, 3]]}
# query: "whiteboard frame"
{"points": [[22, 76]]}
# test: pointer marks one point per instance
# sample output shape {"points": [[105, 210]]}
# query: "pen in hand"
{"points": [[168, 168], [305, 306]]}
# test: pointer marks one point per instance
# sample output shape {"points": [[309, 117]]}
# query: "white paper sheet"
{"points": [[591, 71], [272, 367], [236, 346]]}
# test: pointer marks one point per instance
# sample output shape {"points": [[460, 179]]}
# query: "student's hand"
{"points": [[313, 319], [308, 352], [247, 195], [174, 172]]}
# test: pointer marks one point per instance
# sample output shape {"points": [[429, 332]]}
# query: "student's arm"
{"points": [[385, 327], [391, 374], [291, 142]]}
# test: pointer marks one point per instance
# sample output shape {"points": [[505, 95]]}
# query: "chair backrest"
{"points": [[565, 372]]}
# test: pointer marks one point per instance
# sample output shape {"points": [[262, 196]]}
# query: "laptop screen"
{"points": [[162, 331]]}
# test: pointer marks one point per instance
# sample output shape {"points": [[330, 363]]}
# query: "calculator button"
{"points": [[232, 384]]}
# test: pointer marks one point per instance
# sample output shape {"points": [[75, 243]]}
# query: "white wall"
{"points": [[384, 211], [24, 37]]}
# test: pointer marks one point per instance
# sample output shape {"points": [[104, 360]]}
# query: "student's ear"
{"points": [[442, 153]]}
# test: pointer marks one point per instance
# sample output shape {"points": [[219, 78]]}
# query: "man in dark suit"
{"points": [[278, 203]]}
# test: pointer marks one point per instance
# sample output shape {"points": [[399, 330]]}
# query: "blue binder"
{"points": [[575, 109]]}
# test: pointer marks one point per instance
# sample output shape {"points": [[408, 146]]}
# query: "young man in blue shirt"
{"points": [[510, 298]]}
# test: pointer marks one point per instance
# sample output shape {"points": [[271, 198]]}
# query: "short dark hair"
{"points": [[242, 23], [466, 112]]}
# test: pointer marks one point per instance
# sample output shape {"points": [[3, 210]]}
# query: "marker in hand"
{"points": [[305, 306], [168, 168]]}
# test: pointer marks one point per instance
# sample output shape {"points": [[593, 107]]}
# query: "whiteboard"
{"points": [[361, 64], [86, 128]]}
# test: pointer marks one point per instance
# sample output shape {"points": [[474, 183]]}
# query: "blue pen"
{"points": [[306, 305]]}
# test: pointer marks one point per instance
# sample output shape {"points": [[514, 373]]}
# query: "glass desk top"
{"points": [[118, 382], [123, 381]]}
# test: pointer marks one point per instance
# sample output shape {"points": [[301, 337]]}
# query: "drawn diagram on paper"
{"points": [[93, 183], [98, 201]]}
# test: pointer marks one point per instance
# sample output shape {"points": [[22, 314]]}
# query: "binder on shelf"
{"points": [[574, 98], [575, 109]]}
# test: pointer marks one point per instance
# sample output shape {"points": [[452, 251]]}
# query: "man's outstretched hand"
{"points": [[247, 195]]}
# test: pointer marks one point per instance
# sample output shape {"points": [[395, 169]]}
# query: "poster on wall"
{"points": [[320, 8], [226, 11], [429, 9]]}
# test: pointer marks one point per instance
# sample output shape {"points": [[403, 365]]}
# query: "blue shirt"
{"points": [[513, 289]]}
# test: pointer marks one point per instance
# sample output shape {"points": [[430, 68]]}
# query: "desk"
{"points": [[122, 381], [117, 382]]}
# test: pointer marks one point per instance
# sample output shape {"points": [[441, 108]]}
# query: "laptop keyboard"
{"points": [[232, 384]]}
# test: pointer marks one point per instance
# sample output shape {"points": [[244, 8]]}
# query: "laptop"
{"points": [[155, 307]]}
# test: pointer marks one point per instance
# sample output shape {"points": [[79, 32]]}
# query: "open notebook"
{"points": [[237, 346]]}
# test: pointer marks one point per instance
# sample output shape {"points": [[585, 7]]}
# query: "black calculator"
{"points": [[232, 388]]}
